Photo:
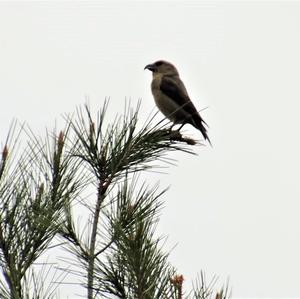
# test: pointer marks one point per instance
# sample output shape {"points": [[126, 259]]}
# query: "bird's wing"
{"points": [[175, 89]]}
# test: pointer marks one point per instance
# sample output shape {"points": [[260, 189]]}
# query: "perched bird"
{"points": [[171, 97]]}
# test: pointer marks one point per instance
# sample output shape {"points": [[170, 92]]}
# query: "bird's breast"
{"points": [[164, 103]]}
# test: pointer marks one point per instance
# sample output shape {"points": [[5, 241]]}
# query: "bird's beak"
{"points": [[150, 67]]}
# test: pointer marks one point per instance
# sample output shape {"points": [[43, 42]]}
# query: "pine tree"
{"points": [[116, 251]]}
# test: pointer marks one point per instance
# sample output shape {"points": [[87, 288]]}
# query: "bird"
{"points": [[171, 97]]}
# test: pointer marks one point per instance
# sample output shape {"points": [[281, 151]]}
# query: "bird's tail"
{"points": [[199, 123]]}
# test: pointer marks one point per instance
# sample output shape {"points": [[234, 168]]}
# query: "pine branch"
{"points": [[32, 191], [110, 155], [134, 267]]}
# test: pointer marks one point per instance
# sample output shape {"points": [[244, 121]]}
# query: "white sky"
{"points": [[234, 208]]}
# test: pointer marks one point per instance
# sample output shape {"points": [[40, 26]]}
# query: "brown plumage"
{"points": [[171, 96]]}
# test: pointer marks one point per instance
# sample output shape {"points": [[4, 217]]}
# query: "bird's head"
{"points": [[162, 67]]}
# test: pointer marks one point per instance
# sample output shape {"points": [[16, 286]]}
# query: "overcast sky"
{"points": [[234, 209]]}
